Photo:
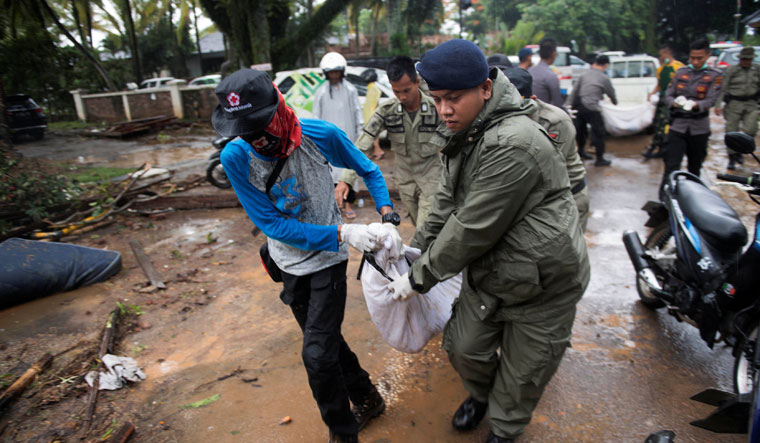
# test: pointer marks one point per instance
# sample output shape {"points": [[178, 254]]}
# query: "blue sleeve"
{"points": [[262, 212], [340, 152]]}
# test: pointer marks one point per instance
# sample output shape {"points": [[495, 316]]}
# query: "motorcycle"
{"points": [[214, 171], [692, 264]]}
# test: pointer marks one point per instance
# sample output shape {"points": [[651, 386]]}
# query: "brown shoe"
{"points": [[372, 406]]}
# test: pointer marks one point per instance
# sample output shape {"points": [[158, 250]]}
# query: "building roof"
{"points": [[213, 42]]}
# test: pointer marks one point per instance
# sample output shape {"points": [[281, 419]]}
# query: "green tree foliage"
{"points": [[612, 24], [681, 21]]}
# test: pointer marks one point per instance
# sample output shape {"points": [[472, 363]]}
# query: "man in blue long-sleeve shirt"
{"points": [[279, 170]]}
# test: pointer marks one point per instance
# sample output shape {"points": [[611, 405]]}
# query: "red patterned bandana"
{"points": [[283, 134]]}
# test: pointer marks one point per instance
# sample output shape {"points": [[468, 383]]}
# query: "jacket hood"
{"points": [[505, 102]]}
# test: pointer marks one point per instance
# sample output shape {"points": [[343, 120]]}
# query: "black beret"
{"points": [[247, 103], [500, 61], [456, 64], [522, 80]]}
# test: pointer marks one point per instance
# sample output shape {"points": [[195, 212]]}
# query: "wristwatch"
{"points": [[392, 218]]}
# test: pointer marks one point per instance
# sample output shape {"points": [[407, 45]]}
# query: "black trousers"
{"points": [[593, 118], [318, 302], [695, 148]]}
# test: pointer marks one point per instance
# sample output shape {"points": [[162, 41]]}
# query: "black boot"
{"points": [[342, 438], [585, 156], [731, 162], [469, 414], [371, 406], [493, 438]]}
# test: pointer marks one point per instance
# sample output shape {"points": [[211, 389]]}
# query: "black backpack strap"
{"points": [[275, 173]]}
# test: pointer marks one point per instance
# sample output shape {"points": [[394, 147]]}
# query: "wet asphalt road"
{"points": [[630, 371]]}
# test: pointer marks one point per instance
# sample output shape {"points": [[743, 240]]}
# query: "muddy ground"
{"points": [[219, 329]]}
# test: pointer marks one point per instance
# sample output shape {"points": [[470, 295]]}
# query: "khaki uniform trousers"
{"points": [[741, 112]]}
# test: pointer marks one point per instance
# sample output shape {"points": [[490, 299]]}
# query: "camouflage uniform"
{"points": [[417, 169]]}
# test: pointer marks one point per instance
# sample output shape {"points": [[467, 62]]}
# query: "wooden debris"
{"points": [[216, 200], [123, 434], [106, 344], [133, 127], [146, 265], [26, 378]]}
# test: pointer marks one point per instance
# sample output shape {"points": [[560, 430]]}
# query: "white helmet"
{"points": [[332, 61]]}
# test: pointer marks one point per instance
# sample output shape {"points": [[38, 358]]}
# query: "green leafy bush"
{"points": [[27, 190]]}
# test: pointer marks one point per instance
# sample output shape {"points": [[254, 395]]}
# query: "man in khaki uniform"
{"points": [[741, 85], [503, 215], [410, 119]]}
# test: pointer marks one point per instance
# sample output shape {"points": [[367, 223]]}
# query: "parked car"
{"points": [[716, 49], [24, 116], [212, 79], [567, 66], [633, 77], [298, 86], [158, 82], [730, 57]]}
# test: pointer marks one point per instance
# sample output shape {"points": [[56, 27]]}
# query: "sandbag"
{"points": [[31, 269], [626, 119], [406, 325]]}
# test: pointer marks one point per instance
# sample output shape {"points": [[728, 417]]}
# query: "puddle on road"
{"points": [[158, 158]]}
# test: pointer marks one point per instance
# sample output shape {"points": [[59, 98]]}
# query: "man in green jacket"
{"points": [[504, 215]]}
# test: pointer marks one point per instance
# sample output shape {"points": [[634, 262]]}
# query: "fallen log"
{"points": [[26, 378], [146, 265]]}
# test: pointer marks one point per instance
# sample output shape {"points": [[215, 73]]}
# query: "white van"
{"points": [[633, 77]]}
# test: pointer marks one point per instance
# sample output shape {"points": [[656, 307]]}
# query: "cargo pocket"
{"points": [[553, 356]]}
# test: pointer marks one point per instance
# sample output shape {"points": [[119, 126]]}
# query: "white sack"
{"points": [[406, 325], [627, 119], [120, 370]]}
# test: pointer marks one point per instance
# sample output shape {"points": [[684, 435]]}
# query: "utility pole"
{"points": [[737, 16]]}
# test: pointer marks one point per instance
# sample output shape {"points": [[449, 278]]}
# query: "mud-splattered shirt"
{"points": [[299, 215]]}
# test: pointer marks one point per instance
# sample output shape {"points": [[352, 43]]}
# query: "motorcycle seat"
{"points": [[711, 215]]}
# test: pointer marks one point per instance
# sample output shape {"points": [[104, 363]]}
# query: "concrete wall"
{"points": [[191, 102]]}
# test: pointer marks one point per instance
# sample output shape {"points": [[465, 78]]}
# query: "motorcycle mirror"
{"points": [[740, 142]]}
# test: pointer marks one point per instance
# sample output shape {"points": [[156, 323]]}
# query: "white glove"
{"points": [[359, 237], [388, 237], [689, 105], [572, 112], [402, 288]]}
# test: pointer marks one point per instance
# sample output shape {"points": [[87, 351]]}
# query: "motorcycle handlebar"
{"points": [[735, 179]]}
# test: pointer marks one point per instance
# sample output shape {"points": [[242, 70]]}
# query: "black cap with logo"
{"points": [[247, 103]]}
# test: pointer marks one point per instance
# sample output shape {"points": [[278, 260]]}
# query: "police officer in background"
{"points": [[740, 92], [410, 119], [690, 95]]}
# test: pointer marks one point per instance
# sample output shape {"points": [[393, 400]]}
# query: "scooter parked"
{"points": [[214, 171], [692, 264]]}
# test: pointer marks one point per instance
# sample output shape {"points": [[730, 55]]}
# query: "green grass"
{"points": [[89, 174], [72, 124]]}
